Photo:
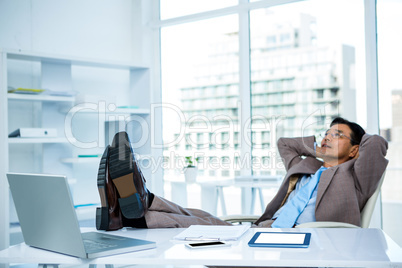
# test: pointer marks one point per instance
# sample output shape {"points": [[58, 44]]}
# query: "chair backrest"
{"points": [[367, 212]]}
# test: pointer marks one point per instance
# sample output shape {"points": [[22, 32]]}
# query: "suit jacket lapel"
{"points": [[325, 181]]}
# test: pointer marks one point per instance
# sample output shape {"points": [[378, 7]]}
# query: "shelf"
{"points": [[57, 59], [80, 160], [93, 110], [36, 140], [120, 111], [85, 160], [90, 110], [40, 97], [15, 229], [130, 111]]}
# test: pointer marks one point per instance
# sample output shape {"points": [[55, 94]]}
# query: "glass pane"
{"points": [[389, 25], [307, 67], [176, 8], [200, 94]]}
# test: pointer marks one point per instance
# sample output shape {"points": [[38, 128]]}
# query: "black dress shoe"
{"points": [[108, 216], [127, 177]]}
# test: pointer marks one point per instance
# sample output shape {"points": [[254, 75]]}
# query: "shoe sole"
{"points": [[102, 213], [121, 171]]}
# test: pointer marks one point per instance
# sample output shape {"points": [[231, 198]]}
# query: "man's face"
{"points": [[336, 146]]}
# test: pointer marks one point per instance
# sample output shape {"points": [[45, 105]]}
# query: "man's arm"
{"points": [[293, 149], [371, 162]]}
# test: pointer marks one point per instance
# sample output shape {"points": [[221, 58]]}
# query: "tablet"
{"points": [[280, 239]]}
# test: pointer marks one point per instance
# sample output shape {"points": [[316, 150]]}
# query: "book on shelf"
{"points": [[21, 90]]}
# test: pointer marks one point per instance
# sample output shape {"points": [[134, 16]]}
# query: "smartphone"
{"points": [[207, 244]]}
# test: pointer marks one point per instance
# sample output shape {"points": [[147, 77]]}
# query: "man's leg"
{"points": [[139, 207], [166, 214]]}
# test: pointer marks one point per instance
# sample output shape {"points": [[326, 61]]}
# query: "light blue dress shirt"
{"points": [[308, 214]]}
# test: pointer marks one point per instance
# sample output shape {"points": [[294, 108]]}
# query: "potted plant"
{"points": [[190, 170]]}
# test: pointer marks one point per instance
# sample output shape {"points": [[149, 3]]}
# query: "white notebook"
{"points": [[212, 233]]}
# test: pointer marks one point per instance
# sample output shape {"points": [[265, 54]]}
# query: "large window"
{"points": [[305, 71], [390, 87], [389, 23], [200, 81]]}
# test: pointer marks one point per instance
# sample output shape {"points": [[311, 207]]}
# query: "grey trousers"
{"points": [[165, 214]]}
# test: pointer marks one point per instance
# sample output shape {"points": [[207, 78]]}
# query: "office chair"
{"points": [[365, 215]]}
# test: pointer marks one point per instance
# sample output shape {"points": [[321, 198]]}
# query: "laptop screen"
{"points": [[46, 212]]}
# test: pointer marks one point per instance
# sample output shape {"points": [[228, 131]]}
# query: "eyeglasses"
{"points": [[335, 135]]}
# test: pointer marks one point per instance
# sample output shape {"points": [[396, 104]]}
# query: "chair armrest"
{"points": [[240, 218], [326, 224], [317, 224]]}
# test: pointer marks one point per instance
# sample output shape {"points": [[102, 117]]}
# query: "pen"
{"points": [[201, 238]]}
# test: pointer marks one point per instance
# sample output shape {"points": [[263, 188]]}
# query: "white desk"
{"points": [[328, 248]]}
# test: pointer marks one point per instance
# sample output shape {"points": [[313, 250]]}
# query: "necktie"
{"points": [[292, 210]]}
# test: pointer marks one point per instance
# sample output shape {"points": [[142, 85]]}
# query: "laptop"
{"points": [[48, 220]]}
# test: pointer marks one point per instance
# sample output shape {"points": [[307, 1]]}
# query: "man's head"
{"points": [[357, 131], [341, 142]]}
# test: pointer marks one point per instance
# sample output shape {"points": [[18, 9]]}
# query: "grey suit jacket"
{"points": [[343, 190]]}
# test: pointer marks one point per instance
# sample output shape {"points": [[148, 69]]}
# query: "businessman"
{"points": [[330, 181]]}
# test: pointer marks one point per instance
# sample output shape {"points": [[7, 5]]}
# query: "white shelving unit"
{"points": [[116, 97]]}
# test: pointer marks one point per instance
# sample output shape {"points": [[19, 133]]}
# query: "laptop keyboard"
{"points": [[96, 245]]}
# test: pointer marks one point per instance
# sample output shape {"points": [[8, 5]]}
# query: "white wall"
{"points": [[99, 29]]}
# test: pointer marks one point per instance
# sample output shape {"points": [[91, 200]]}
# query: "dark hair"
{"points": [[357, 130]]}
